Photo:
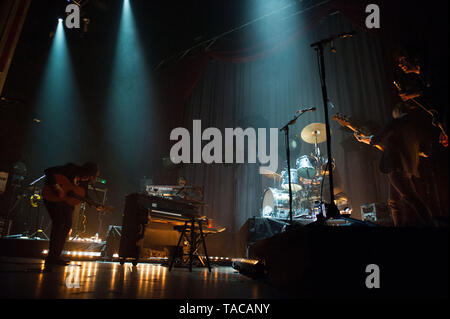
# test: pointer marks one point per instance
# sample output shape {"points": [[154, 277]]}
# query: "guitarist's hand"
{"points": [[100, 208], [443, 139], [362, 139]]}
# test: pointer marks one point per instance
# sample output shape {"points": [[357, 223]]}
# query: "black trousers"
{"points": [[61, 215], [402, 191]]}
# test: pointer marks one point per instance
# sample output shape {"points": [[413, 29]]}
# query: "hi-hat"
{"points": [[314, 133]]}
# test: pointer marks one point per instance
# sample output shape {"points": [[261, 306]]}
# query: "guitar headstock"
{"points": [[342, 119]]}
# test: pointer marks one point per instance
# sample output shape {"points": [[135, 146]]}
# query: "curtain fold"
{"points": [[266, 93], [262, 83], [251, 50]]}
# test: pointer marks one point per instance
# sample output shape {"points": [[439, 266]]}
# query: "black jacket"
{"points": [[403, 139], [69, 170]]}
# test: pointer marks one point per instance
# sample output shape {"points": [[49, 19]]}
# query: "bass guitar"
{"points": [[345, 122]]}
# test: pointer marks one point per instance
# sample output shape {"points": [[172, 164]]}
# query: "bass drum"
{"points": [[275, 203]]}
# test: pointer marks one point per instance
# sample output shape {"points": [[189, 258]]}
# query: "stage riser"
{"points": [[331, 261]]}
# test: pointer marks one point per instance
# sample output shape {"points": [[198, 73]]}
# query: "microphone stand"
{"points": [[288, 156], [333, 211]]}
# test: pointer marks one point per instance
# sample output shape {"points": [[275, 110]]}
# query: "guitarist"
{"points": [[413, 87], [402, 140], [61, 213]]}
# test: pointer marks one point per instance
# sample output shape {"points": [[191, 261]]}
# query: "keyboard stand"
{"points": [[189, 232]]}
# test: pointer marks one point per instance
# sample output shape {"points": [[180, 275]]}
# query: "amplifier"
{"points": [[377, 213], [144, 235], [159, 240]]}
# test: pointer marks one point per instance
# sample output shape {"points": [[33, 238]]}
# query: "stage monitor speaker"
{"points": [[377, 213], [255, 229]]}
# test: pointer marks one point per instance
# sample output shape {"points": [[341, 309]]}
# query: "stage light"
{"points": [[57, 108], [129, 112]]}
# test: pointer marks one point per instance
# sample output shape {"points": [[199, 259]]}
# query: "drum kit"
{"points": [[306, 181]]}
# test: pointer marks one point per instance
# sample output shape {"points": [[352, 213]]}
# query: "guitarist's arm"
{"points": [[51, 181], [50, 174], [377, 139]]}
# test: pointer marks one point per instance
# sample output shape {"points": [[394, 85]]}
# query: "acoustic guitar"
{"points": [[73, 194]]}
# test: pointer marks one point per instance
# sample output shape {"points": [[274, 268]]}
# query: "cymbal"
{"points": [[314, 133]]}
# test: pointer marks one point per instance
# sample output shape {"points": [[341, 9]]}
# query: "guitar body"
{"points": [[69, 189]]}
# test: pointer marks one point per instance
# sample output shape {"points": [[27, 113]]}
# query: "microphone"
{"points": [[306, 110]]}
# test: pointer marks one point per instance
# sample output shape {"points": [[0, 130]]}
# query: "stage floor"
{"points": [[22, 278]]}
